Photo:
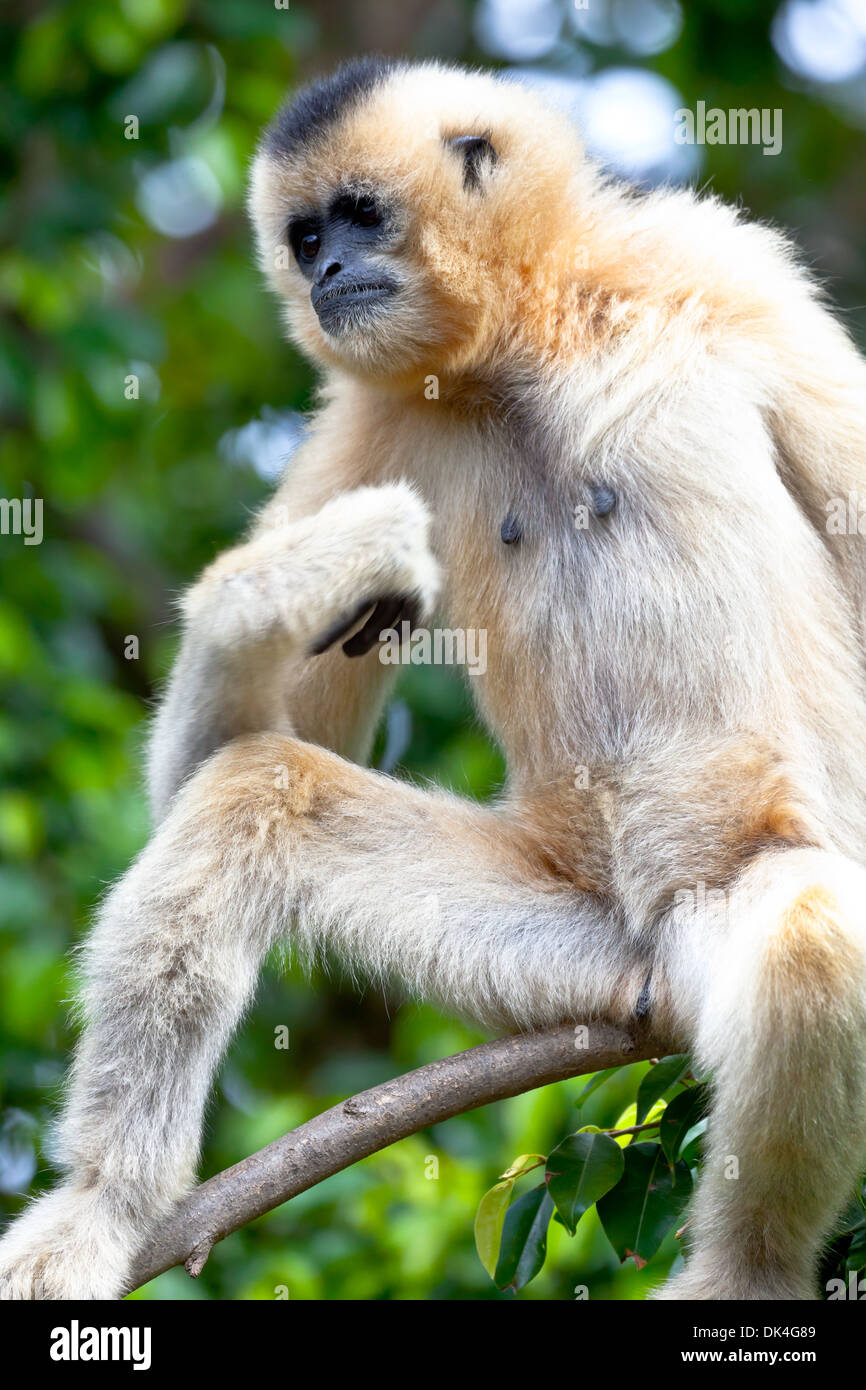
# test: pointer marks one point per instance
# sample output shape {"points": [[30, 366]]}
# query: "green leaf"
{"points": [[628, 1119], [646, 1202], [658, 1081], [489, 1220], [594, 1083], [524, 1239], [856, 1256], [580, 1170], [683, 1112], [490, 1216], [690, 1153]]}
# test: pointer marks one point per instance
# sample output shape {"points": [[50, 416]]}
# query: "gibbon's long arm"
{"points": [[818, 419], [310, 570], [810, 380]]}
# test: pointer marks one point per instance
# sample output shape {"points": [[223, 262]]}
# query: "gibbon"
{"points": [[606, 427]]}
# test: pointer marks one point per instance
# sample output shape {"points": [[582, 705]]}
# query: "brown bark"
{"points": [[371, 1121]]}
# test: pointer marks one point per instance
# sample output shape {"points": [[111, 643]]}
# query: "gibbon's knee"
{"points": [[796, 935], [209, 892], [258, 783], [245, 835], [812, 960], [788, 994]]}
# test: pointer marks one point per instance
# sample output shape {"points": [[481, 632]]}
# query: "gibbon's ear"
{"points": [[474, 150]]}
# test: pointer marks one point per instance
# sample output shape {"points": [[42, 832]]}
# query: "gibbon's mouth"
{"points": [[332, 302]]}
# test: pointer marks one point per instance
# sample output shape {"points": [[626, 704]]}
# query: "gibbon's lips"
{"points": [[331, 300]]}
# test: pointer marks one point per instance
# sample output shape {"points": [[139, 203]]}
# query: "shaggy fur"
{"points": [[695, 646]]}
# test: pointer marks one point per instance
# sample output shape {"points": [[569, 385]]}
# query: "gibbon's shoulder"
{"points": [[692, 245]]}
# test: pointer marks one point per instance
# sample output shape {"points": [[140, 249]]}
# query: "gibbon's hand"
{"points": [[309, 582], [388, 612]]}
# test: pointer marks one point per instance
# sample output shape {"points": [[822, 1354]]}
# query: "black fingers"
{"points": [[384, 616], [388, 613], [338, 629]]}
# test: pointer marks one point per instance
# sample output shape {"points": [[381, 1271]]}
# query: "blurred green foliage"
{"points": [[138, 495]]}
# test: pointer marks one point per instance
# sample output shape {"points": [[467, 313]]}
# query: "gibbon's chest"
{"points": [[531, 561], [600, 599]]}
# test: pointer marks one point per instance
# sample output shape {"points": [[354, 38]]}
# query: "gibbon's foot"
{"points": [[312, 581], [65, 1246], [706, 1279]]}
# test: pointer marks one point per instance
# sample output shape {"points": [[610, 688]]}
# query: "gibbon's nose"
{"points": [[329, 269]]}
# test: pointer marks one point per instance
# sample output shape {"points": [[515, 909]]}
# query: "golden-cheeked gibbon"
{"points": [[641, 413]]}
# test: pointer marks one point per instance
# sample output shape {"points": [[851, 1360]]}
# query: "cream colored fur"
{"points": [[699, 652]]}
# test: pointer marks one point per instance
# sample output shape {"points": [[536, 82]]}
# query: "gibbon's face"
{"points": [[397, 207]]}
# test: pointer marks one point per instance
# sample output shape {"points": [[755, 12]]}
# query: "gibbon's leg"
{"points": [[252, 618], [274, 838], [782, 1025]]}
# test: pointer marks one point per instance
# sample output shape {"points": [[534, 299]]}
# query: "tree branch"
{"points": [[374, 1119]]}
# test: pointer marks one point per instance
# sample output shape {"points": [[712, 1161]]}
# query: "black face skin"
{"points": [[334, 250]]}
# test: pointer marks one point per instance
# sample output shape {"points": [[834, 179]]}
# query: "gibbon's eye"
{"points": [[305, 238], [366, 213], [309, 246]]}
